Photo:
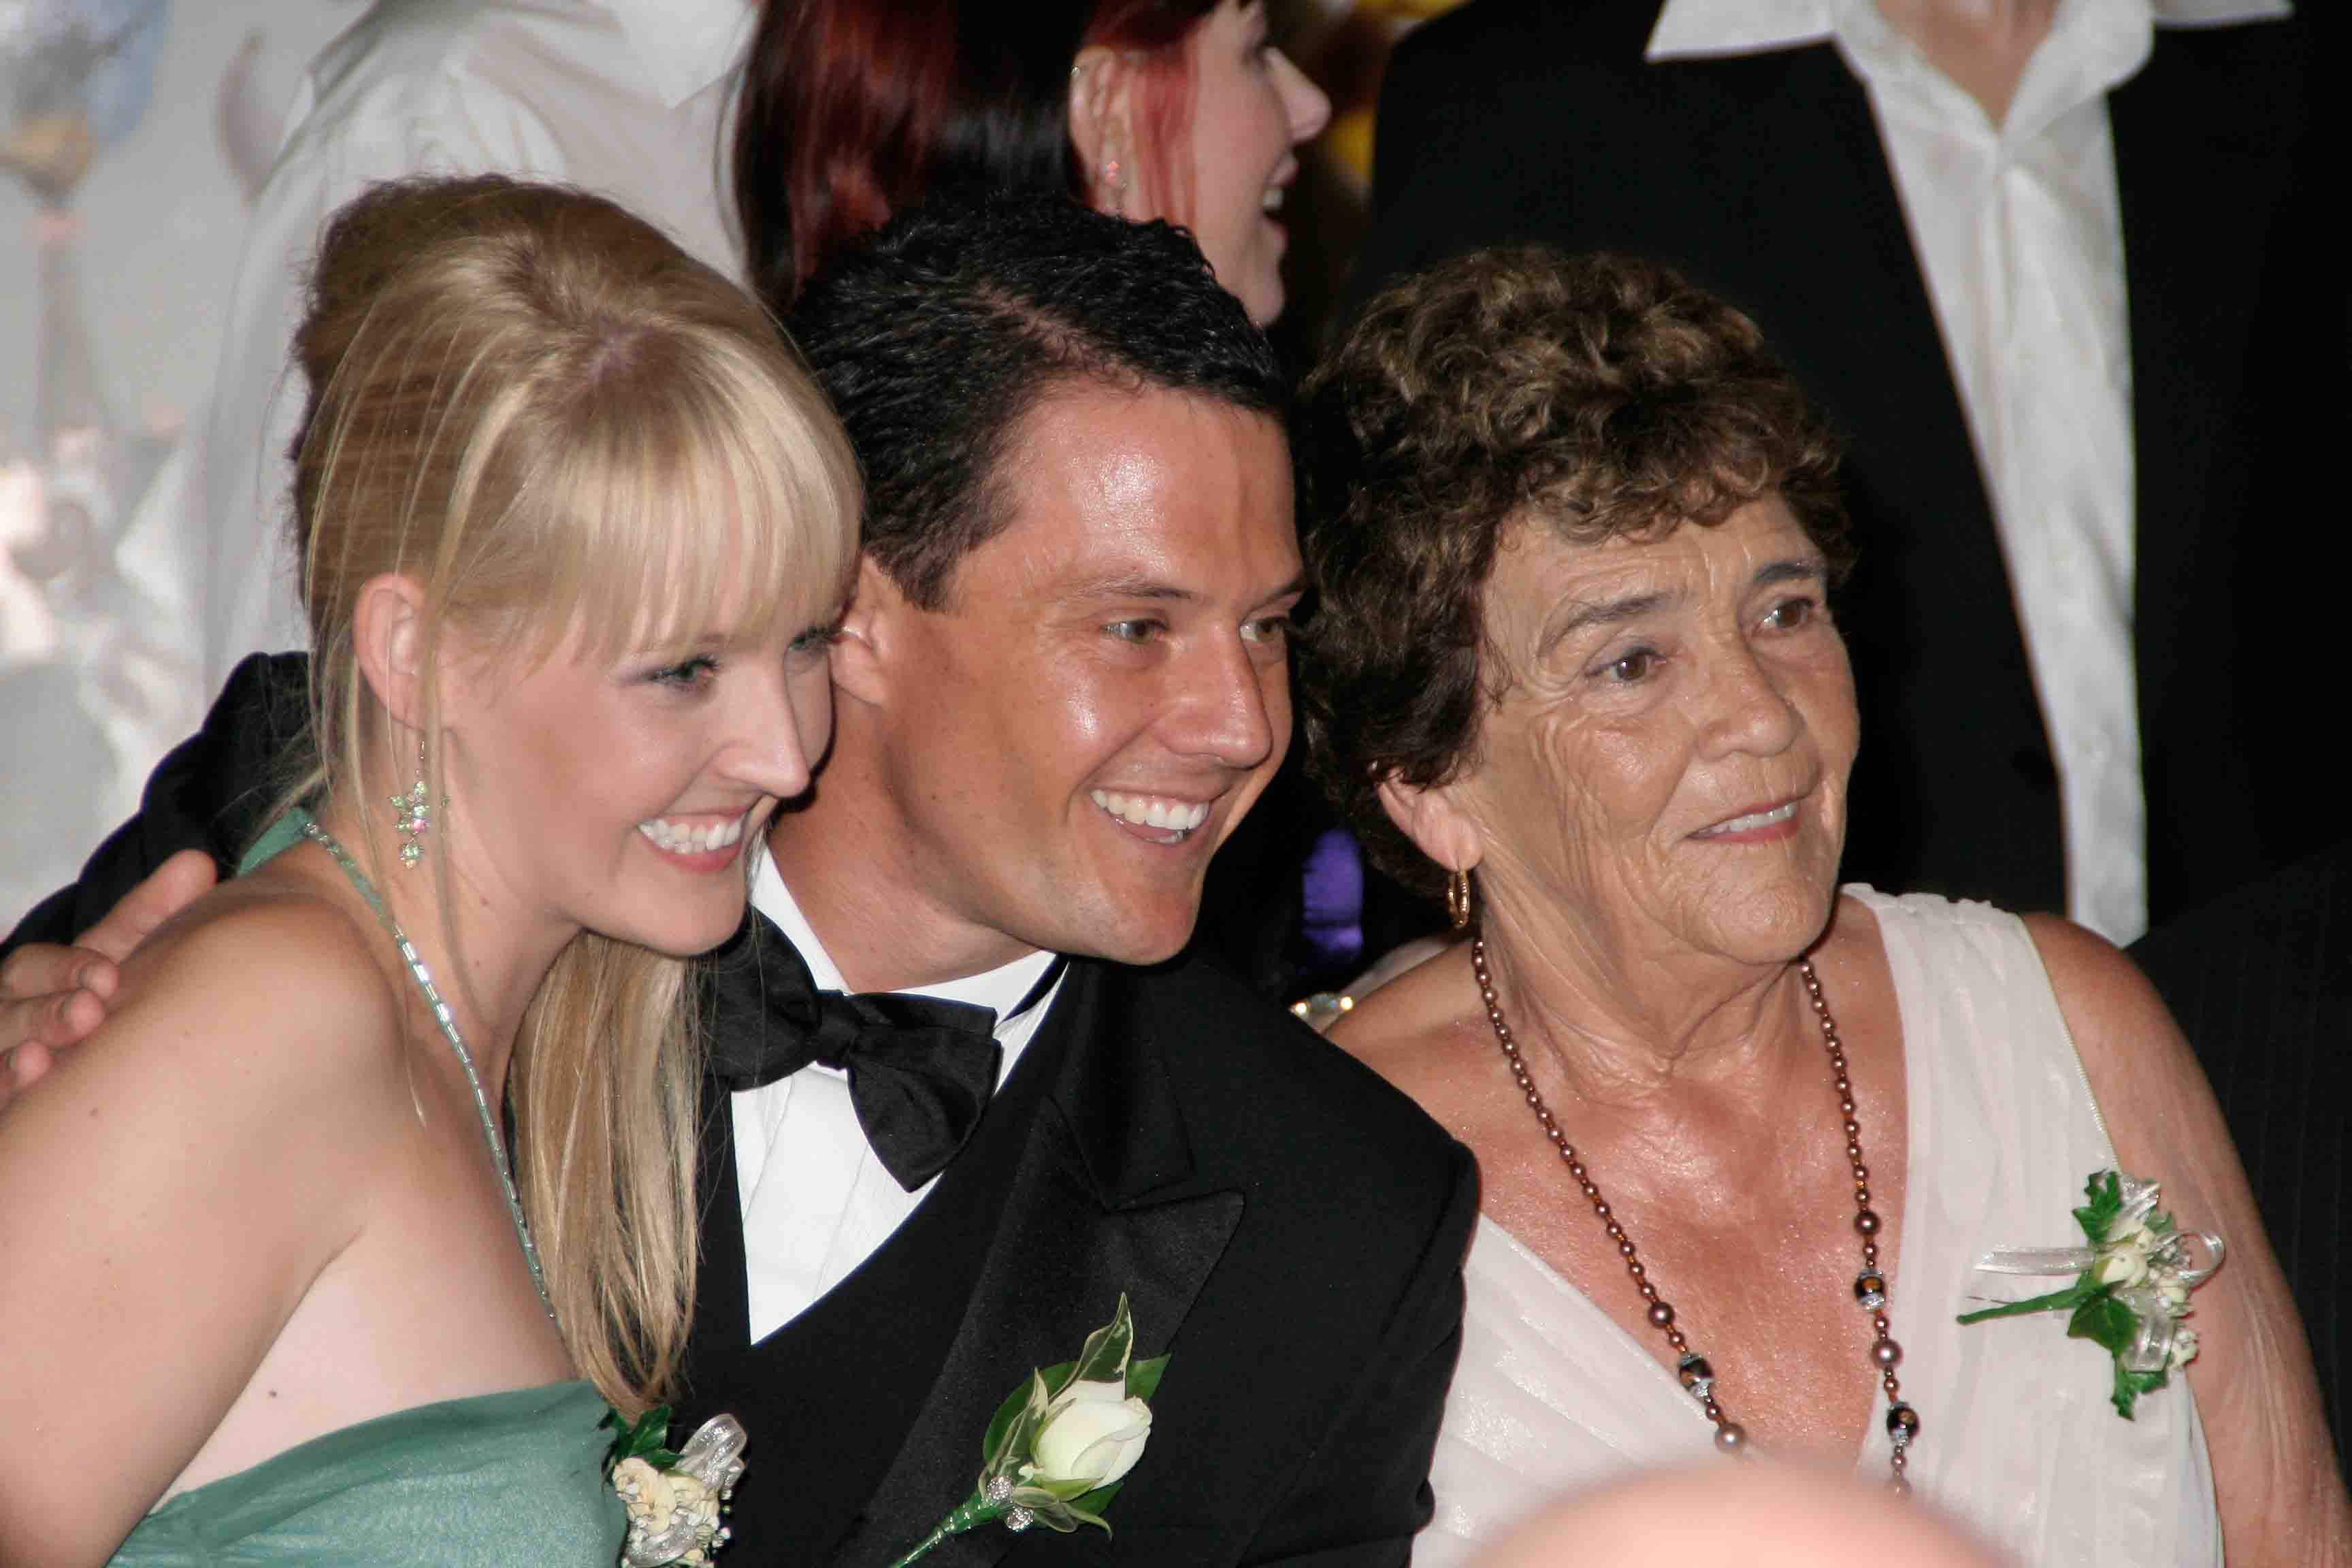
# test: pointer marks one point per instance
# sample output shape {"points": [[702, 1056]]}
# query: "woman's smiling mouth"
{"points": [[1773, 822]]}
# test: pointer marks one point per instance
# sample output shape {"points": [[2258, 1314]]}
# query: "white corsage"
{"points": [[676, 1501], [2131, 1286], [1061, 1443]]}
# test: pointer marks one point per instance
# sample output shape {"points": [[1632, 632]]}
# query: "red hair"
{"points": [[852, 108], [1158, 35]]}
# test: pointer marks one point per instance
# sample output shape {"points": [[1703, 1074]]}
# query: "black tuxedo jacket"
{"points": [[2262, 984], [1762, 179], [1286, 1226]]}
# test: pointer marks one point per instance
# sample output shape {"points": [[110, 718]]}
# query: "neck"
{"points": [[1641, 1033], [1982, 45], [488, 968], [870, 889]]}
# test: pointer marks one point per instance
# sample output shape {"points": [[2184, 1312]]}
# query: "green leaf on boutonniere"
{"points": [[2130, 1385], [2104, 1189], [1104, 1359], [646, 1438], [2074, 1295], [1090, 1507], [1014, 1429], [2105, 1321], [1143, 1377]]}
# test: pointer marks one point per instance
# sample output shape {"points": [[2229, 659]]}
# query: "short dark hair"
{"points": [[937, 336], [1596, 396]]}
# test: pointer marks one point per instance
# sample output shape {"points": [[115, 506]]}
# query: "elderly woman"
{"points": [[1744, 1135]]}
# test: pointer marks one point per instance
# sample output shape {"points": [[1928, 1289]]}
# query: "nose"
{"points": [[1222, 709], [1303, 102], [1747, 711], [781, 730]]}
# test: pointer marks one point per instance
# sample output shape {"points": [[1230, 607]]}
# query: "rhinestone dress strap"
{"points": [[441, 1016]]}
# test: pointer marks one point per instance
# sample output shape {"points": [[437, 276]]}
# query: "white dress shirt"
{"points": [[2019, 237], [628, 99], [815, 1201]]}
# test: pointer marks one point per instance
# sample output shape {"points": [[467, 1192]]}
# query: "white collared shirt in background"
{"points": [[629, 99], [817, 1202], [2019, 237]]}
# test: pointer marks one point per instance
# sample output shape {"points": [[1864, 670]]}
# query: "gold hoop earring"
{"points": [[1459, 898]]}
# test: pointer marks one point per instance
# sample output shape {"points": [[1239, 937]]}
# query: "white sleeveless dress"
{"points": [[2017, 1436]]}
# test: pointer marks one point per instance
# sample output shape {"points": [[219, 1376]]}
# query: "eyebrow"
{"points": [[1633, 607], [1136, 585], [1602, 613], [1799, 569]]}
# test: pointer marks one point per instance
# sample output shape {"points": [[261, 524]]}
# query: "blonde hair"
{"points": [[555, 422]]}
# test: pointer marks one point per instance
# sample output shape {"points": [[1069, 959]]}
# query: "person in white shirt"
{"points": [[2042, 261], [625, 99]]}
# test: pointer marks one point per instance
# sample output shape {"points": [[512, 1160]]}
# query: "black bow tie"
{"points": [[920, 1069]]}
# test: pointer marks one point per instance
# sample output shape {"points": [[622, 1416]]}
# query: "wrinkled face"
{"points": [[619, 795], [1667, 768], [1250, 106], [1106, 689]]}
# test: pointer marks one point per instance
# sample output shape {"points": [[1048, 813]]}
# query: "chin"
{"points": [[688, 936]]}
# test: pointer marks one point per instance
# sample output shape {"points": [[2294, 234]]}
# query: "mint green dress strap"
{"points": [[281, 836], [302, 825], [494, 1481]]}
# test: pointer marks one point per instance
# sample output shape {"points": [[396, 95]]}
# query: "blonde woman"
{"points": [[574, 522]]}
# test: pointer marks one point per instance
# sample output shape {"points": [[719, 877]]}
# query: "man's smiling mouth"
{"points": [[1176, 818]]}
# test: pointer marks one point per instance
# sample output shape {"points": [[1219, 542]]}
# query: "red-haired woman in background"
{"points": [[1181, 109]]}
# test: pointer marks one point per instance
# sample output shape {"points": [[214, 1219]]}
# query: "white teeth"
{"points": [[1273, 201], [669, 836], [1148, 811], [1755, 819]]}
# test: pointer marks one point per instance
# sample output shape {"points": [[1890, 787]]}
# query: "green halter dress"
{"points": [[485, 1482]]}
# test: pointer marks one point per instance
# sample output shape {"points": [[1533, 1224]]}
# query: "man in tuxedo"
{"points": [[1062, 679], [2058, 273]]}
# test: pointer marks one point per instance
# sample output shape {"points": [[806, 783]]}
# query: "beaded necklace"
{"points": [[1869, 1286]]}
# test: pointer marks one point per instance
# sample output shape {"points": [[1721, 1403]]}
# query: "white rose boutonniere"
{"points": [[2131, 1286], [674, 1501], [1061, 1444]]}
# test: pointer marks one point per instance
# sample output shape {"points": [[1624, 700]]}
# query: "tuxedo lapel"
{"points": [[1104, 1200], [867, 1412]]}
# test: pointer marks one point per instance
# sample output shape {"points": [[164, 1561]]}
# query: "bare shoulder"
{"points": [[2151, 1093], [267, 979], [1410, 1029], [2105, 997]]}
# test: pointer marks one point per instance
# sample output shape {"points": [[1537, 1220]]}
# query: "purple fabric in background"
{"points": [[1331, 898]]}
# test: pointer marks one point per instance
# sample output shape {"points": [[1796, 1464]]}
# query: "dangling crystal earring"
{"points": [[414, 815], [1458, 898]]}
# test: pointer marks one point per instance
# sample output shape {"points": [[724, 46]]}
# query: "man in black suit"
{"points": [[2261, 985], [1061, 680], [1766, 177]]}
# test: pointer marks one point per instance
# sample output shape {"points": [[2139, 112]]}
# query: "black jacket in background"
{"points": [[1761, 178]]}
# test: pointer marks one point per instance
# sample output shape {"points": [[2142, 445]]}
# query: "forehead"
{"points": [[1537, 573], [1187, 489]]}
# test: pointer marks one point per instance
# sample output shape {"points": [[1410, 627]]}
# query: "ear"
{"points": [[388, 641], [1102, 132], [1435, 823], [870, 635]]}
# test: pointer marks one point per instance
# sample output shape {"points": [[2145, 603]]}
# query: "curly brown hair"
{"points": [[1598, 396]]}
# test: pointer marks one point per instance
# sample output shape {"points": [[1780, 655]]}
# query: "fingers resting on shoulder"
{"points": [[52, 997]]}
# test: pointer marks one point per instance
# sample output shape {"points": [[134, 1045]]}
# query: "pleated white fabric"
{"points": [[2018, 1436]]}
